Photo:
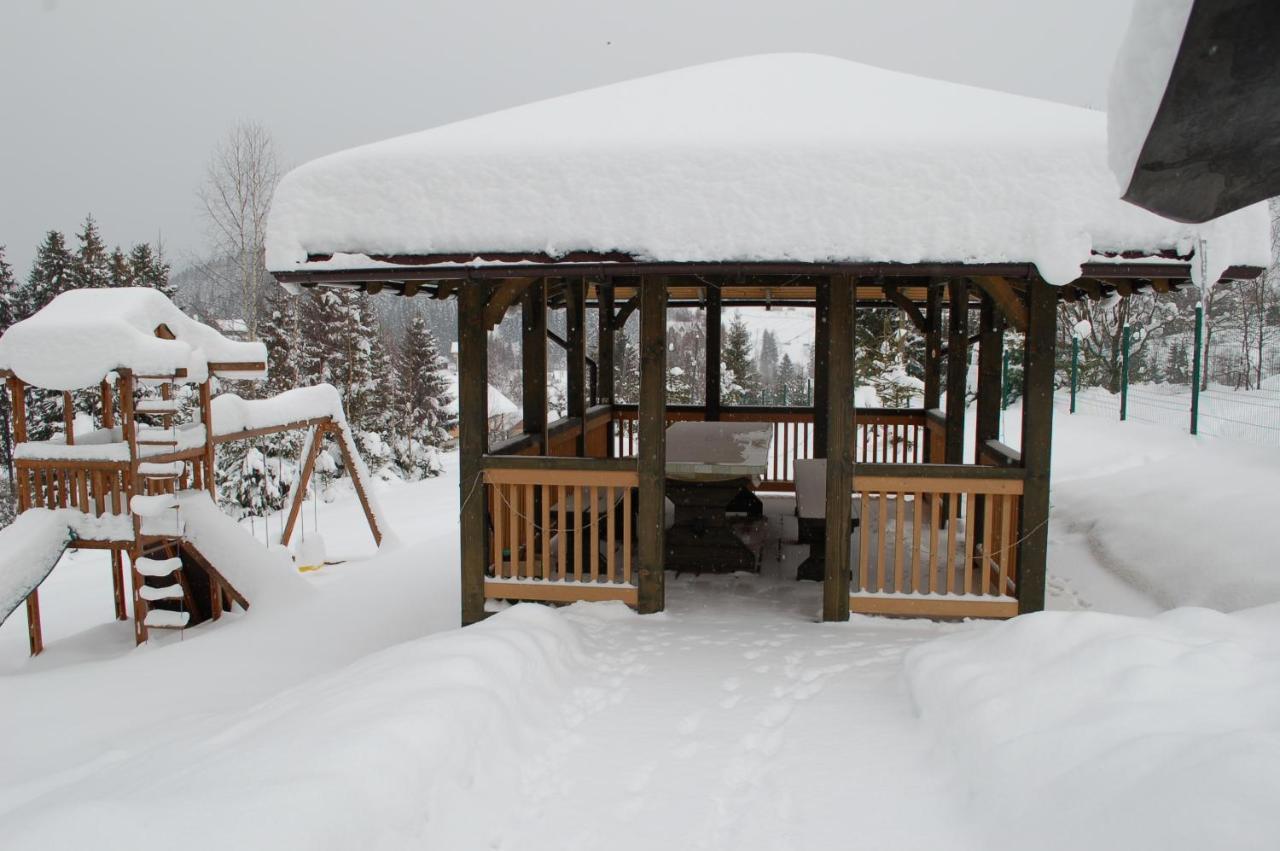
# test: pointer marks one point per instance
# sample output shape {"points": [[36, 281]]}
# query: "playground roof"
{"points": [[766, 159], [81, 336]]}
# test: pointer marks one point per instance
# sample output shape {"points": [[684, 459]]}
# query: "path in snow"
{"points": [[735, 720]]}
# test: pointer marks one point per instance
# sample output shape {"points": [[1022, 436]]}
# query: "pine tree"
{"points": [[739, 381], [9, 295], [423, 400], [49, 277], [150, 269], [120, 270], [627, 387], [770, 392], [91, 266]]}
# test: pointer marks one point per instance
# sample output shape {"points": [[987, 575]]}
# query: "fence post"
{"points": [[1195, 370], [1075, 369], [1124, 372]]}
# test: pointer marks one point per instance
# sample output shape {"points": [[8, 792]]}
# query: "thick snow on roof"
{"points": [[1139, 78], [82, 335], [499, 404], [784, 157]]}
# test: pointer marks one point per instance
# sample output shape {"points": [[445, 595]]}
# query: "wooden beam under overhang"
{"points": [[1008, 302], [505, 294], [628, 308], [908, 307]]}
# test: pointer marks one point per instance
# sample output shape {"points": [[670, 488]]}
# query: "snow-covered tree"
{"points": [[423, 400], [50, 275], [91, 263], [149, 269], [739, 380]]}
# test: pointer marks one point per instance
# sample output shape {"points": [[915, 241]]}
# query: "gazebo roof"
{"points": [[764, 159], [75, 340]]}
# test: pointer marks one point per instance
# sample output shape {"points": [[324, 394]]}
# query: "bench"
{"points": [[811, 517]]}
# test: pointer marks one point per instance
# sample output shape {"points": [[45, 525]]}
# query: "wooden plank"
{"points": [[117, 583], [932, 346], [925, 472], [653, 452], [561, 592], [562, 550], [935, 517], [821, 371], [957, 369], [511, 497], [908, 307], [990, 366], [505, 294], [533, 357], [953, 522], [933, 607], [473, 438], [917, 501], [248, 434], [1037, 437], [882, 542], [576, 354], [988, 510], [838, 444], [499, 540], [544, 491], [605, 360], [598, 478], [937, 485], [1006, 551], [969, 518], [578, 538], [312, 452], [529, 536], [594, 537], [218, 367], [899, 540], [610, 537]]}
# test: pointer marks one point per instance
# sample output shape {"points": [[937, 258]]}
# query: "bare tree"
{"points": [[239, 183]]}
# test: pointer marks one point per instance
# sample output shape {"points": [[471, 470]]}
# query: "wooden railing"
{"points": [[883, 435], [936, 540], [562, 437], [560, 528], [94, 487]]}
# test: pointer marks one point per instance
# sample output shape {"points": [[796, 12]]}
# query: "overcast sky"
{"points": [[113, 106]]}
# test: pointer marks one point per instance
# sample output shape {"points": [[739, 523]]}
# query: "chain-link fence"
{"points": [[1220, 388]]}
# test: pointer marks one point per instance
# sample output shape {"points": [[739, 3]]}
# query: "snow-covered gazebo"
{"points": [[768, 179]]}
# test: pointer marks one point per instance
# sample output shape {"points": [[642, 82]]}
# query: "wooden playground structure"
{"points": [[121, 487]]}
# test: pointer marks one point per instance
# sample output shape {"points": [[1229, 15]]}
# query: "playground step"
{"points": [[167, 592], [157, 566], [156, 406], [152, 506], [165, 619], [161, 469]]}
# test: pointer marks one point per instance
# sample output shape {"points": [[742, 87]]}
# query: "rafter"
{"points": [[1007, 301], [908, 307], [504, 295]]}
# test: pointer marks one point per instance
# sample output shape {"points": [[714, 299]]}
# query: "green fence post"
{"points": [[1195, 370], [1004, 382], [1075, 369], [1124, 372]]}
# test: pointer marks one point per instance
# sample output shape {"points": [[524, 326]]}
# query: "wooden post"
{"points": [[35, 637], [711, 395], [575, 334], [821, 373], [838, 447], [18, 400], [1037, 434], [304, 478], [69, 417], [533, 358], [117, 583], [108, 407], [206, 416], [652, 455], [990, 363], [473, 443], [933, 348], [957, 370], [606, 357]]}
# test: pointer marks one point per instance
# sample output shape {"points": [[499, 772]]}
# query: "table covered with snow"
{"points": [[784, 157], [717, 450]]}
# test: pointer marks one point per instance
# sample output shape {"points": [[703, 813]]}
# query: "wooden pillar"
{"points": [[605, 347], [35, 637], [652, 455], [108, 407], [473, 443], [69, 417], [575, 334], [990, 358], [117, 583], [821, 359], [206, 417], [1037, 434], [711, 394], [933, 348], [18, 404], [957, 369], [533, 357], [839, 448]]}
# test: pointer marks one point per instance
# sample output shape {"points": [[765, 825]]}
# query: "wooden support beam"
{"points": [[839, 448], [315, 440], [714, 313], [908, 307], [575, 333], [652, 454], [990, 365], [957, 369], [533, 359], [505, 294], [1089, 287], [821, 356], [473, 443], [1123, 286], [624, 312], [35, 633], [605, 357], [69, 417], [206, 416], [1161, 285], [933, 348], [1037, 440], [1010, 303], [108, 406]]}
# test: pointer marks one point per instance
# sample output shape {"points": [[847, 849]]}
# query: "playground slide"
{"points": [[253, 569], [30, 546]]}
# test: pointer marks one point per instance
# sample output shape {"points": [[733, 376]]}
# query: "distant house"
{"points": [[505, 416]]}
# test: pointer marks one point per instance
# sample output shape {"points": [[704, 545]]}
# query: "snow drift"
{"points": [[1085, 730]]}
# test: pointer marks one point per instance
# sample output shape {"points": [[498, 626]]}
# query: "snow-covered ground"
{"points": [[357, 715]]}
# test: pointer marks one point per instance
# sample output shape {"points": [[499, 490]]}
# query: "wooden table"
{"points": [[709, 468]]}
